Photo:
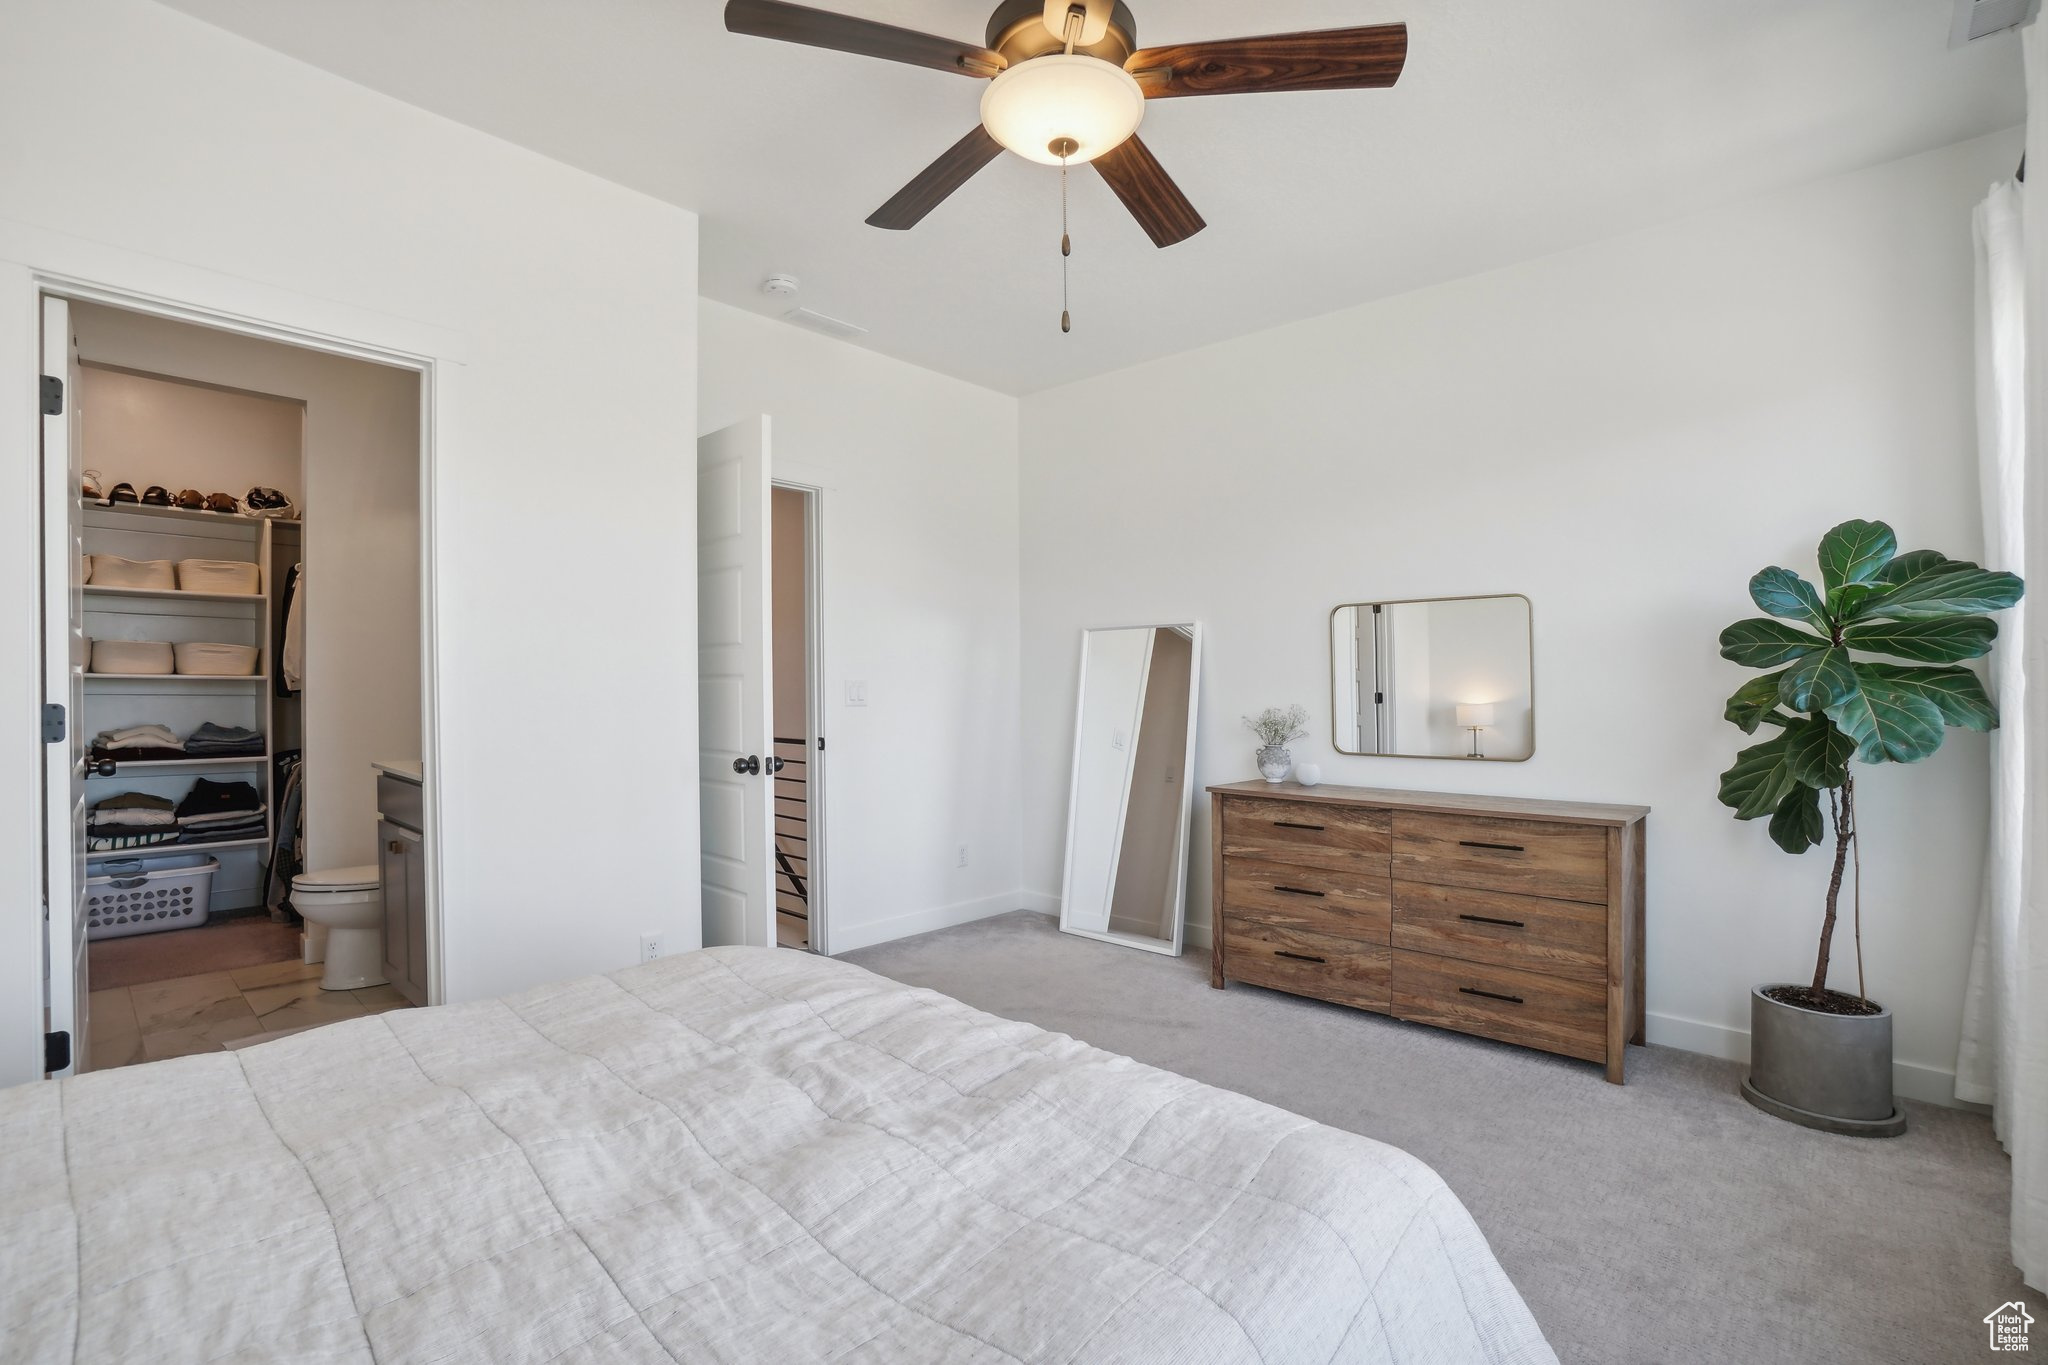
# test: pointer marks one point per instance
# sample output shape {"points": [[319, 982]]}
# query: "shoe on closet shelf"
{"points": [[121, 492], [221, 502], [156, 495], [267, 502], [191, 499], [89, 487]]}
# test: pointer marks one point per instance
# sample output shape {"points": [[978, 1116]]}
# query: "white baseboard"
{"points": [[1910, 1080], [847, 938], [1196, 935]]}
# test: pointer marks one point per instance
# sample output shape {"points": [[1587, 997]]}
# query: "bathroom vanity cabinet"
{"points": [[402, 869]]}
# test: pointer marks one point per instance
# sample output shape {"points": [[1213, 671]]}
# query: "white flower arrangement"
{"points": [[1279, 724]]}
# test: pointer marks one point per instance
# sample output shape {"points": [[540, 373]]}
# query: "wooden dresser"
{"points": [[1512, 919]]}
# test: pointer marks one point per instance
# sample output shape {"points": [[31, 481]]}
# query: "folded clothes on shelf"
{"points": [[130, 820], [138, 737], [223, 741], [216, 812], [133, 811], [211, 799], [159, 744]]}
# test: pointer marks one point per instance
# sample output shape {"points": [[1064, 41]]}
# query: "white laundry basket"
{"points": [[146, 895]]}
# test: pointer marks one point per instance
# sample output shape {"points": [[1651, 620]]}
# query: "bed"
{"points": [[733, 1155]]}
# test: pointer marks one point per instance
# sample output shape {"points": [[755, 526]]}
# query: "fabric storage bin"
{"points": [[112, 571], [132, 656], [85, 568], [143, 896], [216, 660], [218, 575]]}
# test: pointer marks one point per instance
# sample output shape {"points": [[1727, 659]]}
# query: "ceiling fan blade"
{"points": [[844, 33], [1329, 59], [954, 168], [1149, 193]]}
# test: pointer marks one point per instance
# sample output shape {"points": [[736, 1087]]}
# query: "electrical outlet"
{"points": [[963, 857], [650, 947]]}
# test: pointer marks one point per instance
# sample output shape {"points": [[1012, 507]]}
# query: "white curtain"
{"points": [[2004, 1055], [1985, 1061]]}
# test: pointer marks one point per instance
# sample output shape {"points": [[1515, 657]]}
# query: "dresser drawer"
{"points": [[1306, 833], [1337, 969], [1564, 938], [1527, 857], [1554, 1013], [1349, 904]]}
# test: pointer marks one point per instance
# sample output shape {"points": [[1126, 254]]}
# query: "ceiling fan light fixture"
{"points": [[1093, 103]]}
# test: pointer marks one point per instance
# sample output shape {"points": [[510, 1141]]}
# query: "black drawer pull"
{"points": [[1301, 891], [1289, 824], [1490, 995], [1488, 919], [1480, 843], [1300, 957]]}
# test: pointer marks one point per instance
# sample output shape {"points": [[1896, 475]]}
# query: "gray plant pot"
{"points": [[1827, 1071]]}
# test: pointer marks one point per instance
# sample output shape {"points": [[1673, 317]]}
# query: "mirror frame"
{"points": [[1331, 666], [1187, 798]]}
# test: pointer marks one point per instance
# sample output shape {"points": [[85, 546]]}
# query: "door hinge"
{"points": [[53, 723], [56, 1051], [53, 396], [1379, 699]]}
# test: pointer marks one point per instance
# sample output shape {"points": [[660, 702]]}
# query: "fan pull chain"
{"points": [[1066, 250]]}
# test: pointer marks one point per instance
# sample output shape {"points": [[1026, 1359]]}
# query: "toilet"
{"points": [[349, 903]]}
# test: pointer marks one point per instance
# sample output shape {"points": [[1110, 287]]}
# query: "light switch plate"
{"points": [[857, 692]]}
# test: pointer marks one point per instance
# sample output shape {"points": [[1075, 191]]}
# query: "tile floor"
{"points": [[217, 1010]]}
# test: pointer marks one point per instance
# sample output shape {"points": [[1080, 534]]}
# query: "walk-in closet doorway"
{"points": [[243, 692]]}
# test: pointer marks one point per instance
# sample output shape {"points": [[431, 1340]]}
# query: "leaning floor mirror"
{"points": [[1127, 813]]}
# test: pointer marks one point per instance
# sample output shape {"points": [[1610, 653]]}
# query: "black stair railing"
{"points": [[792, 829]]}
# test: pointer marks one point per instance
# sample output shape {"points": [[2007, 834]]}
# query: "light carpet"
{"points": [[1661, 1221]]}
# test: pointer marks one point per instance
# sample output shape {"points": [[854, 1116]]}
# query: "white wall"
{"points": [[1623, 432], [143, 149], [361, 503], [919, 600]]}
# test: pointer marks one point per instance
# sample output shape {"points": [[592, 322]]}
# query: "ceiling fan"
{"points": [[1068, 82]]}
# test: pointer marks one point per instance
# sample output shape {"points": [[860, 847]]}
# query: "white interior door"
{"points": [[735, 749], [65, 991]]}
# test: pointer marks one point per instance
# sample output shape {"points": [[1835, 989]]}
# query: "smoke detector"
{"points": [[779, 286]]}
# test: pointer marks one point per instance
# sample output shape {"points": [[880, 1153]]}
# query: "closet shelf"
{"points": [[180, 765], [169, 595], [232, 520], [177, 677], [171, 850]]}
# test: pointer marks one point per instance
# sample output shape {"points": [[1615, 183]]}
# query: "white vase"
{"points": [[1308, 774], [1274, 761]]}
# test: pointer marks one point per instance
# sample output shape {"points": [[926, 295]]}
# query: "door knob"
{"points": [[775, 765], [396, 846], [750, 764]]}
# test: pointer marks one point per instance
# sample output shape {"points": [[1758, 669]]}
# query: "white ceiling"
{"points": [[1521, 127]]}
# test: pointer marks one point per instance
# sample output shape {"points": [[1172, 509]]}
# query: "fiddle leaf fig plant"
{"points": [[1832, 708]]}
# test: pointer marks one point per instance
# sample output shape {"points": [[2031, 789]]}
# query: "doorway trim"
{"points": [[141, 284], [816, 813]]}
